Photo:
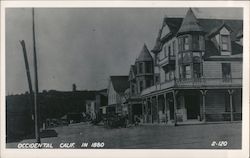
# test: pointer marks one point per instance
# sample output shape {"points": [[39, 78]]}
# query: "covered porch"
{"points": [[177, 106]]}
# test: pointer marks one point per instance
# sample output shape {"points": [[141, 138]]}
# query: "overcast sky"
{"points": [[84, 46]]}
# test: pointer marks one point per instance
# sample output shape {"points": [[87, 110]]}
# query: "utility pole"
{"points": [[37, 131], [31, 96]]}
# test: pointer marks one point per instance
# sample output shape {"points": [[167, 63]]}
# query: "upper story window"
{"points": [[169, 76], [185, 43], [197, 70], [174, 47], [187, 71], [156, 60], [170, 53], [225, 43], [195, 42], [148, 83], [157, 78], [140, 67], [133, 89], [141, 85], [226, 71], [165, 51], [148, 67]]}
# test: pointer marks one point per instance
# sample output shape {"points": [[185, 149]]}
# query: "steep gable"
{"points": [[119, 83]]}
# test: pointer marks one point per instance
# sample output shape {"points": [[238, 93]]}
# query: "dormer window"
{"points": [[225, 43]]}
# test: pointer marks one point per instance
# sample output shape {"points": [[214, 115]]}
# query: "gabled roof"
{"points": [[120, 83], [217, 29], [213, 50], [144, 55], [208, 25], [190, 23]]}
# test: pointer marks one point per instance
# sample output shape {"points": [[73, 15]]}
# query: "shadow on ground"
{"points": [[43, 134]]}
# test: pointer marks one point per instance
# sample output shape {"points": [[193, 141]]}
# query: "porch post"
{"points": [[157, 108], [175, 107], [231, 103], [203, 92], [142, 110], [146, 113], [130, 113], [165, 104], [151, 104]]}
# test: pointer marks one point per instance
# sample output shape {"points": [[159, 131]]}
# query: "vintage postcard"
{"points": [[124, 79]]}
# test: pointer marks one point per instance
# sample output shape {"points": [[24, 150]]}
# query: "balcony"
{"points": [[209, 83], [160, 86], [166, 61]]}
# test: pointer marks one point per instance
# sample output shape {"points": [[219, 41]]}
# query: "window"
{"points": [[225, 42], [226, 72], [187, 71], [165, 51], [195, 42], [174, 47], [141, 85], [180, 41], [166, 76], [169, 76], [197, 70], [169, 51], [156, 59], [148, 67], [148, 83], [185, 43], [133, 89], [140, 67], [157, 78]]}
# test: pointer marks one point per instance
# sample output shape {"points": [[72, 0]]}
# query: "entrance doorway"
{"points": [[192, 106], [171, 109]]}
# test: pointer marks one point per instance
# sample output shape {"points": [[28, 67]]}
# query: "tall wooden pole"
{"points": [[26, 66], [37, 132]]}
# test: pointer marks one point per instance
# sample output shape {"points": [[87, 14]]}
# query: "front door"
{"points": [[171, 109], [192, 106]]}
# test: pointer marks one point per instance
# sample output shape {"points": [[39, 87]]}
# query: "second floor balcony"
{"points": [[168, 60], [202, 83]]}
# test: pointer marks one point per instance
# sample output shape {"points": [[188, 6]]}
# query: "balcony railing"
{"points": [[167, 60], [195, 83]]}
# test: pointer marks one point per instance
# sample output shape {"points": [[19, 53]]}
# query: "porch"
{"points": [[192, 106]]}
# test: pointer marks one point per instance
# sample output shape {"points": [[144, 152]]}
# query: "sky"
{"points": [[85, 46]]}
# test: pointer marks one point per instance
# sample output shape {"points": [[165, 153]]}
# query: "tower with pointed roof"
{"points": [[144, 69], [191, 47]]}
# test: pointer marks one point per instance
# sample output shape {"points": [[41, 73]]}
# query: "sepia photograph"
{"points": [[124, 78]]}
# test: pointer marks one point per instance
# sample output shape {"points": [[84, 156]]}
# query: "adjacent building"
{"points": [[116, 92]]}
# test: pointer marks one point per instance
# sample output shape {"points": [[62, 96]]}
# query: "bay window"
{"points": [[195, 42], [185, 43]]}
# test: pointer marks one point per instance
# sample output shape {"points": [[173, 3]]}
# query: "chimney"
{"points": [[74, 87]]}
